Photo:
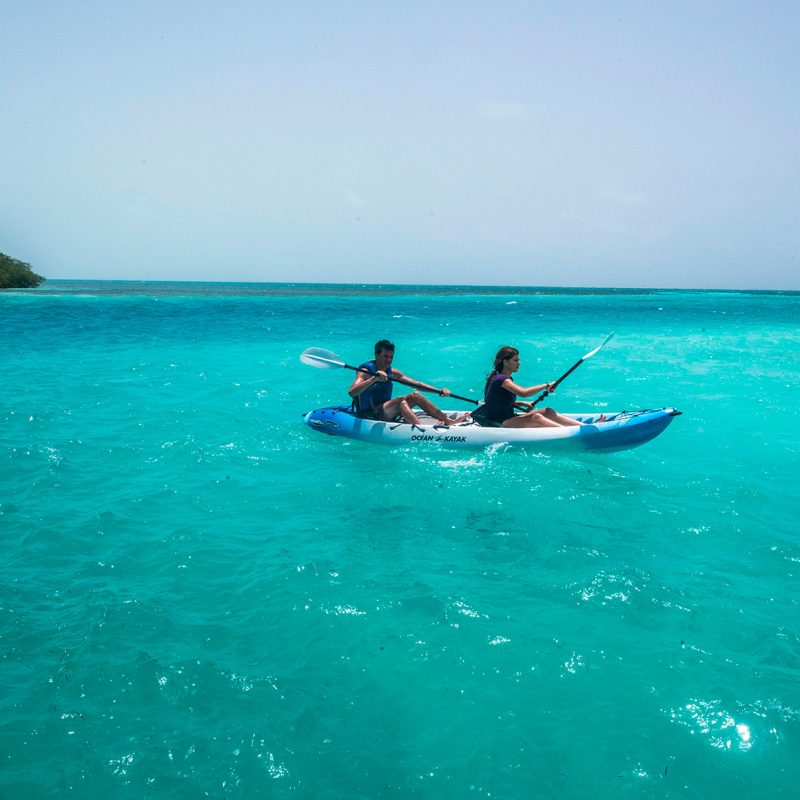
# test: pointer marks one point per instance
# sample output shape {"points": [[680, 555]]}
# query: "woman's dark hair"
{"points": [[502, 354]]}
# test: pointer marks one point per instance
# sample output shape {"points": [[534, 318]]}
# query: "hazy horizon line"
{"points": [[424, 287]]}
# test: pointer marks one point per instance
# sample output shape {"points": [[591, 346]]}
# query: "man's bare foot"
{"points": [[448, 421]]}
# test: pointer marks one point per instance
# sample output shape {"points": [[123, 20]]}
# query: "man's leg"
{"points": [[416, 399], [399, 405]]}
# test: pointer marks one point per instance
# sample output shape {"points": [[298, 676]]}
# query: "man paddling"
{"points": [[372, 392]]}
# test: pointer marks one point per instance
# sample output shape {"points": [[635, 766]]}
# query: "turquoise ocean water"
{"points": [[201, 597]]}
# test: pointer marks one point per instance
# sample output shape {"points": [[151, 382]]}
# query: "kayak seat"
{"points": [[478, 416]]}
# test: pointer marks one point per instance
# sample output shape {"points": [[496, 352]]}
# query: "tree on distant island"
{"points": [[16, 274]]}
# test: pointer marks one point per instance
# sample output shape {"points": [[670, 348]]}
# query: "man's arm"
{"points": [[419, 384], [363, 381]]}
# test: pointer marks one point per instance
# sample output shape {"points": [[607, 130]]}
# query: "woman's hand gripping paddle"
{"points": [[570, 371]]}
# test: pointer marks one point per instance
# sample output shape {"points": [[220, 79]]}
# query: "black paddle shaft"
{"points": [[406, 383], [565, 375]]}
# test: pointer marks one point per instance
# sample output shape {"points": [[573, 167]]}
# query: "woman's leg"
{"points": [[560, 419], [533, 419]]}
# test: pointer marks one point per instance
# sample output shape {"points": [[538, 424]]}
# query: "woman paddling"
{"points": [[500, 395]]}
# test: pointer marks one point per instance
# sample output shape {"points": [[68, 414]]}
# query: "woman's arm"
{"points": [[526, 391]]}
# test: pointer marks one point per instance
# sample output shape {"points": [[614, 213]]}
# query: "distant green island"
{"points": [[15, 274]]}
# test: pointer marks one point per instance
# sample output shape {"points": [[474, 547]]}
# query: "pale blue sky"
{"points": [[533, 143]]}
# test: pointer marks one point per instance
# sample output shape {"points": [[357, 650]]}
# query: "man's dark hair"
{"points": [[383, 344]]}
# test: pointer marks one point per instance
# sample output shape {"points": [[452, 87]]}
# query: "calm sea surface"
{"points": [[200, 597]]}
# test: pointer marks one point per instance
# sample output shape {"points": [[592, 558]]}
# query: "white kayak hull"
{"points": [[620, 431]]}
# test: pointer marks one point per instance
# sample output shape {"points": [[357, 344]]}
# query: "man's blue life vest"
{"points": [[373, 396]]}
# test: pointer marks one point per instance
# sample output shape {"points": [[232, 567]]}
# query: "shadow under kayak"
{"points": [[619, 431]]}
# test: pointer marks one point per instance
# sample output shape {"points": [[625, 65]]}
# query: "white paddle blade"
{"points": [[600, 347], [317, 357]]}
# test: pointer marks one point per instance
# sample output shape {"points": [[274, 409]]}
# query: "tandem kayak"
{"points": [[619, 431]]}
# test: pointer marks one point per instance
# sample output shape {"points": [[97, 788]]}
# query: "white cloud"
{"points": [[504, 110], [354, 199], [624, 197]]}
